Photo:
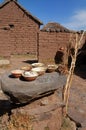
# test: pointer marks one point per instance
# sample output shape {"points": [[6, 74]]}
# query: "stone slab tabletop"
{"points": [[20, 91]]}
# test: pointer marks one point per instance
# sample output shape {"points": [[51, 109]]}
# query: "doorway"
{"points": [[80, 68]]}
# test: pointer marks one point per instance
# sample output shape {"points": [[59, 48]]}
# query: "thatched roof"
{"points": [[25, 11], [54, 27]]}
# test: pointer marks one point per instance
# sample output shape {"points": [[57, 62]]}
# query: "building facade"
{"points": [[19, 30], [20, 34]]}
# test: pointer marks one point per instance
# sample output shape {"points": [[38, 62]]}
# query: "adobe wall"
{"points": [[52, 44], [18, 32]]}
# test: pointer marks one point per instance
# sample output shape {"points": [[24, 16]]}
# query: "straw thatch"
{"points": [[54, 27]]}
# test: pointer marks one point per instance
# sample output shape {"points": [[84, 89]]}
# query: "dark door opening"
{"points": [[69, 61], [80, 68], [81, 58], [59, 57]]}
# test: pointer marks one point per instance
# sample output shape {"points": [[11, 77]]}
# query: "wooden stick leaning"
{"points": [[70, 75]]}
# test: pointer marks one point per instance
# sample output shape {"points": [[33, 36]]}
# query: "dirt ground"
{"points": [[77, 100]]}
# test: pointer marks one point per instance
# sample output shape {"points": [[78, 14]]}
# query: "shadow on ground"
{"points": [[30, 61], [5, 107]]}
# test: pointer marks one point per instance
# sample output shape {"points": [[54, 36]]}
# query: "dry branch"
{"points": [[70, 75]]}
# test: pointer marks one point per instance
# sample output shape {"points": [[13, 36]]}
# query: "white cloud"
{"points": [[77, 21]]}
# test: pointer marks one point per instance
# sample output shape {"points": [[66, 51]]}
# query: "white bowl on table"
{"points": [[29, 75], [17, 73], [39, 70], [37, 64], [52, 68]]}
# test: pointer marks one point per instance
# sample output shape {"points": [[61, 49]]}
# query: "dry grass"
{"points": [[24, 56], [20, 122], [67, 124]]}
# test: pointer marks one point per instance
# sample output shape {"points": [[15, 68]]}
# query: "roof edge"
{"points": [[25, 11]]}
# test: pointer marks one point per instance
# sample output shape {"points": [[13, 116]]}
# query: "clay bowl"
{"points": [[51, 68], [26, 68], [39, 70], [29, 75], [37, 65], [16, 73]]}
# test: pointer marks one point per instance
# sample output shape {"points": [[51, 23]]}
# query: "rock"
{"points": [[67, 124], [36, 117], [82, 128], [20, 91], [45, 102], [4, 62], [77, 102]]}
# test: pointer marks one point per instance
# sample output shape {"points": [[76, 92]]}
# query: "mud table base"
{"points": [[20, 91]]}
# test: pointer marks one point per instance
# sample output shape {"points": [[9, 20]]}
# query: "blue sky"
{"points": [[69, 13]]}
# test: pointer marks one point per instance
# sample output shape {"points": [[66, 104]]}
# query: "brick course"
{"points": [[51, 42], [18, 33]]}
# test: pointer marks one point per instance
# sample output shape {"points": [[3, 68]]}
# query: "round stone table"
{"points": [[20, 91]]}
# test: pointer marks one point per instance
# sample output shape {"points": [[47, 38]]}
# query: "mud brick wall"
{"points": [[50, 43], [18, 32]]}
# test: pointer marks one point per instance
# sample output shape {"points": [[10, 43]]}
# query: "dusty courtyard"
{"points": [[77, 100]]}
